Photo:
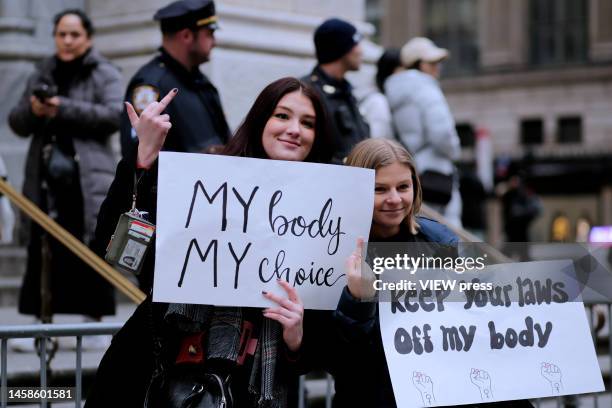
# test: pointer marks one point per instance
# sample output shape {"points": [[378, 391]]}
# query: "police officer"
{"points": [[338, 51], [198, 121]]}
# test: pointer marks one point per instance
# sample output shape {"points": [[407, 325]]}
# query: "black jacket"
{"points": [[348, 126], [198, 121]]}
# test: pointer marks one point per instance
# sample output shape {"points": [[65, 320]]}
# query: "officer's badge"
{"points": [[143, 96], [329, 89]]}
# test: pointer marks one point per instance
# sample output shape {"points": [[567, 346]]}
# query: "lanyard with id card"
{"points": [[131, 239]]}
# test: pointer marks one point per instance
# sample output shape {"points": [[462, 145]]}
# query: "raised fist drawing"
{"points": [[553, 374], [423, 383], [482, 380]]}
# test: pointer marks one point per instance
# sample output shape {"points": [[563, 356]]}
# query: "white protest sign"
{"points": [[229, 227], [527, 337]]}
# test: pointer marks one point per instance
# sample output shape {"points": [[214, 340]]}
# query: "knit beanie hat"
{"points": [[333, 39]]}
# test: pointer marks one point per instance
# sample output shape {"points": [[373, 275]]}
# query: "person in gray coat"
{"points": [[71, 106], [425, 125]]}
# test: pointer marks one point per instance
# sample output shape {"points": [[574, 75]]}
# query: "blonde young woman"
{"points": [[354, 354]]}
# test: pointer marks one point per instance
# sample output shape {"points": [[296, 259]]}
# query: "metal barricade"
{"points": [[47, 331], [44, 332]]}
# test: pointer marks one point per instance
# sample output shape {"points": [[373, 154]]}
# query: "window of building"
{"points": [[453, 24], [569, 129], [532, 131], [558, 31], [466, 134], [374, 15]]}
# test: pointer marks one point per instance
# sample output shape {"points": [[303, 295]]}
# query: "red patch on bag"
{"points": [[192, 349]]}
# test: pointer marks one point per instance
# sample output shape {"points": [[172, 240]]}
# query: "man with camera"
{"points": [[70, 108]]}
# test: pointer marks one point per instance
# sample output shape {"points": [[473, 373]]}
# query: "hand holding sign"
{"points": [[359, 282], [151, 127], [290, 315]]}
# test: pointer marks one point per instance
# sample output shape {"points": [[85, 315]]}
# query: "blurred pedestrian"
{"points": [[520, 207], [474, 199], [70, 107], [188, 37], [374, 105], [426, 126], [338, 51]]}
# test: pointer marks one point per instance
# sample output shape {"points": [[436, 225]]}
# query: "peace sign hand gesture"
{"points": [[151, 128]]}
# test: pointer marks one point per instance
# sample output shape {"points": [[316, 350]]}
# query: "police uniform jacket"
{"points": [[348, 126], [198, 121]]}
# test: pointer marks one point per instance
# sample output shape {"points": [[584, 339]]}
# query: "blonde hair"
{"points": [[377, 153]]}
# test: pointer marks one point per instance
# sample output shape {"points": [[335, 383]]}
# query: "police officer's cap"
{"points": [[187, 14]]}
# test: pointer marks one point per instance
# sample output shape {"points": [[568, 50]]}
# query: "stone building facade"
{"points": [[537, 75]]}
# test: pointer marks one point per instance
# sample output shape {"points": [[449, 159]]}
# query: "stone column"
{"points": [[402, 20], [503, 32]]}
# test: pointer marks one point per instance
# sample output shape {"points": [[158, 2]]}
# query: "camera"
{"points": [[43, 91]]}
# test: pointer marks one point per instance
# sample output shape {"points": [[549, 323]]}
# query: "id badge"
{"points": [[128, 245]]}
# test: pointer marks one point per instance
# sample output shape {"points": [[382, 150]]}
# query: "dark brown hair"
{"points": [[388, 62], [85, 20], [247, 139]]}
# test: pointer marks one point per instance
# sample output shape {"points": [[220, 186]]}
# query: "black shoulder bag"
{"points": [[185, 383], [61, 169], [437, 187]]}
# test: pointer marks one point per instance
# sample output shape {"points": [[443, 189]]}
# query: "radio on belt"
{"points": [[128, 245]]}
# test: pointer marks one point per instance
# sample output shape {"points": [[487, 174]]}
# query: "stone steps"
{"points": [[12, 261], [9, 291], [12, 268]]}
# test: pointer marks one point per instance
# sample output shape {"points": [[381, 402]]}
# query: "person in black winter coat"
{"points": [[286, 122], [339, 51], [348, 344]]}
